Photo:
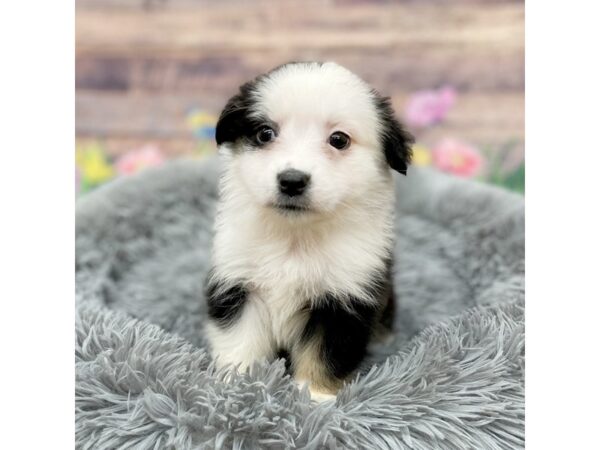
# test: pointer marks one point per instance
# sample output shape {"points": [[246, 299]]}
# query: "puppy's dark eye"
{"points": [[265, 135], [339, 140]]}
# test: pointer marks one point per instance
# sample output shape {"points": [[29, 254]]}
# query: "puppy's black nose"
{"points": [[292, 182]]}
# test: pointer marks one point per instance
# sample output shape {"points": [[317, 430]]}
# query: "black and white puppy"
{"points": [[304, 229]]}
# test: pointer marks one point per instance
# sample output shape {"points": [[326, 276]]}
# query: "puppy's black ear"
{"points": [[231, 121], [395, 140], [234, 121]]}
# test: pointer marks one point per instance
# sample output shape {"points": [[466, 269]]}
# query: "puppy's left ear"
{"points": [[395, 140]]}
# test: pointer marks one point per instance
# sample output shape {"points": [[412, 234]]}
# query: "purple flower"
{"points": [[428, 107]]}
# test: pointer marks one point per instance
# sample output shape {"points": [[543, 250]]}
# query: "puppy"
{"points": [[302, 252]]}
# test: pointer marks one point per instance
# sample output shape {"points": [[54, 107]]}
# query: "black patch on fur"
{"points": [[285, 355], [382, 288], [345, 326], [344, 333], [395, 140], [389, 311], [235, 122], [225, 305]]}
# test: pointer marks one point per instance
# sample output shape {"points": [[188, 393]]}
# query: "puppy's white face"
{"points": [[309, 137]]}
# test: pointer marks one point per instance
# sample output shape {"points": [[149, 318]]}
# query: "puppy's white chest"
{"points": [[283, 305], [285, 286]]}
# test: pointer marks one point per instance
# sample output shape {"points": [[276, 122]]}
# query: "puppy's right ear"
{"points": [[231, 120], [235, 121]]}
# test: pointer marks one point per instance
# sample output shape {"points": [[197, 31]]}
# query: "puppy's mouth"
{"points": [[290, 207]]}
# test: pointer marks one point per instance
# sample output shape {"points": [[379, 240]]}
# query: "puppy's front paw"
{"points": [[320, 397], [317, 395]]}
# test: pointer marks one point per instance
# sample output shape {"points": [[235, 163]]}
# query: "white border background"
{"points": [[37, 194], [562, 223], [37, 227]]}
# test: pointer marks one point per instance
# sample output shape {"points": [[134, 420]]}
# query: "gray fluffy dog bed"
{"points": [[451, 379]]}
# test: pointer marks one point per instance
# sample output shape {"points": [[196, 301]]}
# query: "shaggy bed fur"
{"points": [[451, 378]]}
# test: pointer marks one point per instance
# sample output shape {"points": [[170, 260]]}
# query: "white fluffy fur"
{"points": [[290, 259]]}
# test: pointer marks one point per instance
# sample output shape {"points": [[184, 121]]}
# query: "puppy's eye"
{"points": [[265, 135], [339, 140]]}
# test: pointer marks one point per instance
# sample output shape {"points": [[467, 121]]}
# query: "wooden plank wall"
{"points": [[141, 65]]}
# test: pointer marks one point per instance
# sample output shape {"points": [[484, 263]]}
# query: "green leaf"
{"points": [[516, 179]]}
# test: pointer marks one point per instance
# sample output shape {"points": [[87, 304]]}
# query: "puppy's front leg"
{"points": [[239, 328], [332, 345]]}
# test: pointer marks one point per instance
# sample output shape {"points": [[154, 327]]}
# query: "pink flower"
{"points": [[135, 160], [457, 157], [428, 107]]}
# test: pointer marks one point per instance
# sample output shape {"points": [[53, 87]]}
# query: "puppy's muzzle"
{"points": [[293, 182]]}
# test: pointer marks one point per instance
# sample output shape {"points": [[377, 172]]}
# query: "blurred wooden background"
{"points": [[141, 65]]}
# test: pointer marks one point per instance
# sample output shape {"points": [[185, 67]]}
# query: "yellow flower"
{"points": [[198, 119], [421, 155], [93, 165]]}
